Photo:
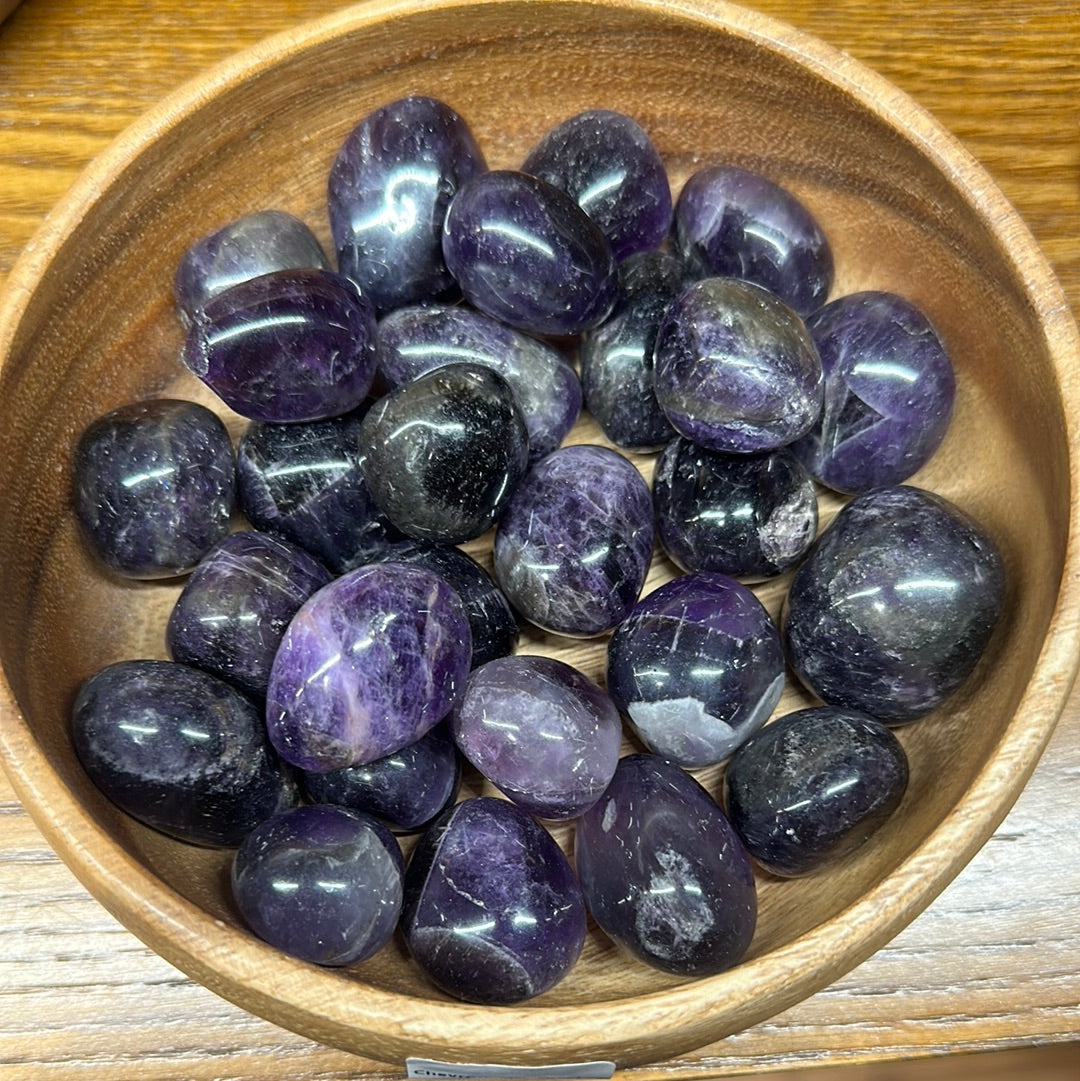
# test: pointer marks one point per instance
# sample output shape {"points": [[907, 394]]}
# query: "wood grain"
{"points": [[993, 963]]}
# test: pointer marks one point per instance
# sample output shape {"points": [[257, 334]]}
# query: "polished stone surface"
{"points": [[445, 453], [573, 548], [736, 369], [893, 607], [751, 516], [525, 253], [889, 392], [697, 667], [608, 164], [288, 346], [390, 186], [320, 883], [663, 872], [543, 733], [368, 665], [734, 223], [154, 486], [180, 750], [617, 357], [813, 786], [493, 912], [415, 340], [236, 604]]}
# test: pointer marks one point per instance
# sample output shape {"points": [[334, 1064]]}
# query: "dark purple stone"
{"points": [[736, 369], [154, 487], [236, 605], [663, 872], [414, 341], [445, 452], [368, 665], [617, 357], [889, 391], [246, 248], [180, 750], [305, 482], [733, 223], [813, 786], [389, 190], [751, 516], [320, 883], [698, 667], [608, 164], [493, 912], [574, 546], [289, 346], [405, 790], [894, 604], [525, 253], [544, 734]]}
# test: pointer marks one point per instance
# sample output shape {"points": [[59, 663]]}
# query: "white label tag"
{"points": [[425, 1067]]}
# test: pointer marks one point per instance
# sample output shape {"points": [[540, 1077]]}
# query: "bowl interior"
{"points": [[90, 325]]}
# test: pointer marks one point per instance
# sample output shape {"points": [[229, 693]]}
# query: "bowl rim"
{"points": [[286, 991]]}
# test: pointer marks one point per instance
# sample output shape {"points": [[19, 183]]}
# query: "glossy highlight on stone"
{"points": [[180, 750], [574, 546], [525, 253], [368, 665], [813, 786], [894, 605], [493, 912], [543, 733], [389, 189], [697, 667], [154, 486], [663, 872]]}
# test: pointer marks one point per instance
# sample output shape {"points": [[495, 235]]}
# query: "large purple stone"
{"points": [[493, 912]]}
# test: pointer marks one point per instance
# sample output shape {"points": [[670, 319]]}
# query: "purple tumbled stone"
{"points": [[574, 546], [606, 161], [493, 912], [736, 369], [698, 667], [733, 223], [889, 390], [525, 253], [368, 665], [544, 734], [414, 341], [292, 345], [663, 872], [894, 604], [389, 189]]}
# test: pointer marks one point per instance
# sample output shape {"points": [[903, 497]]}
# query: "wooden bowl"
{"points": [[88, 324]]}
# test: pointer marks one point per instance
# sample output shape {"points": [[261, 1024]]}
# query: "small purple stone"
{"points": [[889, 390], [389, 190], [733, 223], [736, 369], [574, 546], [414, 341], [292, 345], [608, 164], [493, 912], [525, 253], [663, 872], [697, 667], [545, 735], [154, 486], [236, 605], [895, 603], [368, 665]]}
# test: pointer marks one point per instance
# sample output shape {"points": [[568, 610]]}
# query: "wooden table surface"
{"points": [[994, 962]]}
